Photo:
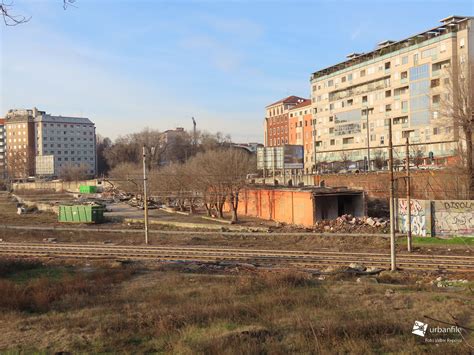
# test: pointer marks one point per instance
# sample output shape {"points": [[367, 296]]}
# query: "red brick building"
{"points": [[277, 121]]}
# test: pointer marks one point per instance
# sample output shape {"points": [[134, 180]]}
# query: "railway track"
{"points": [[290, 258]]}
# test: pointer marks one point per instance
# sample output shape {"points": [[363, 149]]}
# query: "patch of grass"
{"points": [[33, 287], [469, 241], [261, 313]]}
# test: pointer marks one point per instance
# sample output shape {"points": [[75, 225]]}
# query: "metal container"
{"points": [[81, 214]]}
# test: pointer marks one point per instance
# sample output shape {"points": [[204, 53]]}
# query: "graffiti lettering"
{"points": [[458, 205], [418, 225], [416, 207]]}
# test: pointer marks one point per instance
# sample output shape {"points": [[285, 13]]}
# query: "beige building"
{"points": [[20, 144], [402, 82]]}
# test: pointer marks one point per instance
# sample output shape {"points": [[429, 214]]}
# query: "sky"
{"points": [[131, 64]]}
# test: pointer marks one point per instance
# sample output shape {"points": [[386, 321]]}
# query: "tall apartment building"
{"points": [[20, 139], [276, 125], [403, 82], [52, 142], [2, 149]]}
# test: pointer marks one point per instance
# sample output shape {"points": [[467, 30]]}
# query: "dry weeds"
{"points": [[277, 313]]}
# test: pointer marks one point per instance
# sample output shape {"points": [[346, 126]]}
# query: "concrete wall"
{"points": [[445, 218], [454, 217], [287, 206], [54, 185], [420, 217]]}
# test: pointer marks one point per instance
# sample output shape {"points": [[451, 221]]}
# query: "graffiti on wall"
{"points": [[454, 217], [418, 217]]}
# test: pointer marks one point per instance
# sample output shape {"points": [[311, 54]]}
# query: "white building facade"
{"points": [[64, 142]]}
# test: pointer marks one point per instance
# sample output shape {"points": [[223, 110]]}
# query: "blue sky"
{"points": [[129, 64]]}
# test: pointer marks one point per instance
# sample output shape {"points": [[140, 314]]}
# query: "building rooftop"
{"points": [[449, 24], [288, 100], [306, 102], [315, 190], [63, 119]]}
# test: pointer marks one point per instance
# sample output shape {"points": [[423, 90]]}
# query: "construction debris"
{"points": [[348, 223]]}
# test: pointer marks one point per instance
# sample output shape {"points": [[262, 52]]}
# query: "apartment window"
{"points": [[387, 65], [404, 105], [350, 102], [330, 82], [331, 130], [446, 81], [435, 114], [331, 106], [436, 99], [434, 83], [388, 93], [404, 75], [331, 118], [333, 142], [388, 108], [362, 73], [348, 140], [442, 48], [436, 131], [314, 87], [364, 99], [343, 79], [382, 140], [461, 43], [349, 77], [415, 58]]}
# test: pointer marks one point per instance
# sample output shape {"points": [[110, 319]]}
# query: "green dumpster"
{"points": [[86, 189], [81, 214]]}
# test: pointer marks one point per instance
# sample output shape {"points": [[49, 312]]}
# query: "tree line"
{"points": [[187, 172]]}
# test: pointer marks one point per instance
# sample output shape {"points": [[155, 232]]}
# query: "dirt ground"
{"points": [[171, 309]]}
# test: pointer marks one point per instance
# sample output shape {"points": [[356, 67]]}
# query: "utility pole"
{"points": [[145, 195], [393, 265], [407, 151], [368, 136]]}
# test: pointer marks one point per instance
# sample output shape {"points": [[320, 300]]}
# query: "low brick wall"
{"points": [[57, 186], [425, 184]]}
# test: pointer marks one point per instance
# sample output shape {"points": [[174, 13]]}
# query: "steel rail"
{"points": [[224, 250], [206, 254]]}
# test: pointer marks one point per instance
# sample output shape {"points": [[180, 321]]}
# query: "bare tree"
{"points": [[379, 159], [455, 109], [345, 159], [127, 179], [128, 148], [20, 163], [72, 172], [10, 19], [418, 159], [221, 175]]}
